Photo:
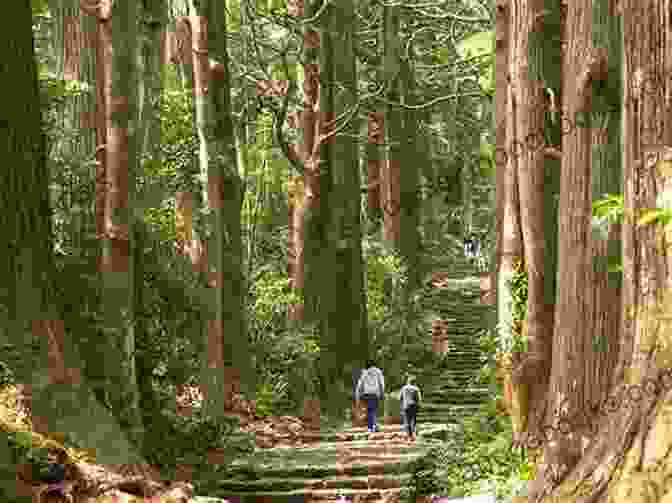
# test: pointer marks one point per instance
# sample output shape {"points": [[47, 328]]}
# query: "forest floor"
{"points": [[299, 459], [293, 458]]}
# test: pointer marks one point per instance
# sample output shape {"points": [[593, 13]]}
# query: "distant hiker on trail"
{"points": [[410, 397], [371, 387]]}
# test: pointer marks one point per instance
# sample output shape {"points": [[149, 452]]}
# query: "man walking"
{"points": [[371, 387], [410, 397]]}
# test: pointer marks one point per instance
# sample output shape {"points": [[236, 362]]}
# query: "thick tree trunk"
{"points": [[586, 324], [343, 312], [75, 47], [306, 214], [432, 196], [528, 94], [628, 457], [152, 31], [604, 313], [570, 384], [414, 156], [511, 239], [375, 163], [501, 50], [390, 189], [102, 42], [59, 395], [121, 166], [298, 245], [179, 45], [227, 338], [291, 206]]}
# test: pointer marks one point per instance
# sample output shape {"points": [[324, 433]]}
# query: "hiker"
{"points": [[371, 387], [410, 397]]}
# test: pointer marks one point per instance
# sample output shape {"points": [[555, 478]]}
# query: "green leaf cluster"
{"points": [[519, 291]]}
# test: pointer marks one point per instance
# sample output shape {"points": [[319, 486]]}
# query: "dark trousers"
{"points": [[371, 408], [410, 414]]}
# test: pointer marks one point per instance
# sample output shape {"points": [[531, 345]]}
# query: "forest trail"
{"points": [[363, 467], [377, 467], [294, 463]]}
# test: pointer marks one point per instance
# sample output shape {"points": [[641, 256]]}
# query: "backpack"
{"points": [[370, 385]]}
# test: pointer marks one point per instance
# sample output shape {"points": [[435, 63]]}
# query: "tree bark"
{"points": [[414, 156], [390, 202], [628, 456], [152, 31], [375, 163], [344, 314], [51, 371], [227, 338], [569, 382], [75, 47], [512, 239], [122, 163], [528, 94], [307, 213], [501, 51]]}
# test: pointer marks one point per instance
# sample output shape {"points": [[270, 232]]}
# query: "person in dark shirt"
{"points": [[410, 397]]}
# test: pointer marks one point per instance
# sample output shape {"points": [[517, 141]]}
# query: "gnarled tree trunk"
{"points": [[628, 454]]}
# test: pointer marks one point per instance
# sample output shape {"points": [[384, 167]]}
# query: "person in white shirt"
{"points": [[371, 387]]}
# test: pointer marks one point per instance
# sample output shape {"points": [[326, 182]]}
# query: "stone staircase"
{"points": [[449, 391], [347, 463]]}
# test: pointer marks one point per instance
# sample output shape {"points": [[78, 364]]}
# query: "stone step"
{"points": [[458, 371], [236, 477], [450, 411], [461, 379], [456, 388], [454, 364], [317, 495], [450, 407], [448, 419], [452, 401], [432, 402], [360, 434], [297, 463], [389, 481], [458, 350], [456, 377]]}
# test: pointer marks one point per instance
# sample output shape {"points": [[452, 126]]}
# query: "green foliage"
{"points": [[191, 437], [477, 459], [286, 354], [655, 216], [518, 286], [385, 279], [606, 212], [480, 45], [482, 460], [179, 145], [489, 345], [427, 477], [272, 397], [395, 313]]}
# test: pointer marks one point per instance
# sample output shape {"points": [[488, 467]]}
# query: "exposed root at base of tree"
{"points": [[630, 460]]}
